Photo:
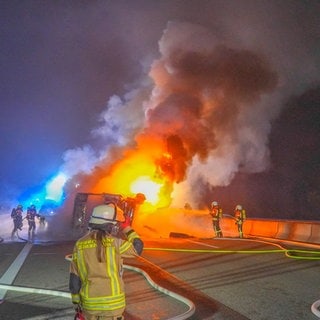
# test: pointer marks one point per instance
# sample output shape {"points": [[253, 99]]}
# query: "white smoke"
{"points": [[120, 122]]}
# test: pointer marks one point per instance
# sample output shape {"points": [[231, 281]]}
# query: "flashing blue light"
{"points": [[51, 192]]}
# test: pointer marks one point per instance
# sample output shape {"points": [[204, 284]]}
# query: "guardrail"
{"points": [[303, 231], [198, 223]]}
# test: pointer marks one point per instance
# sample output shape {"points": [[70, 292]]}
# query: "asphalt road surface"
{"points": [[176, 278]]}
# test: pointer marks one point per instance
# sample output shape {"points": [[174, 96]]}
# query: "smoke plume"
{"points": [[205, 103]]}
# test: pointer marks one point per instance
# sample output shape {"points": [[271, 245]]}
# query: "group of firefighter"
{"points": [[216, 214], [95, 275], [17, 218]]}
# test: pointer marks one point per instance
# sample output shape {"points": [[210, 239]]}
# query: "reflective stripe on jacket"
{"points": [[100, 286]]}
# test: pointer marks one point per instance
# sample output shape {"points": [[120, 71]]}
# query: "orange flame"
{"points": [[139, 172], [150, 188]]}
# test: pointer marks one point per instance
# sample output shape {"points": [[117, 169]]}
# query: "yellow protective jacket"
{"points": [[98, 286], [216, 214], [240, 216]]}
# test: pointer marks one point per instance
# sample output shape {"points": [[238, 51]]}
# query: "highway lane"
{"points": [[46, 267], [254, 278], [227, 278]]}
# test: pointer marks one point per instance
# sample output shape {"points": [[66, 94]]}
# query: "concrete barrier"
{"points": [[303, 231], [198, 223], [264, 228], [315, 233], [293, 230], [284, 230], [300, 231]]}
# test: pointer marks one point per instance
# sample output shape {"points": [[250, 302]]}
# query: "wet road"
{"points": [[228, 279]]}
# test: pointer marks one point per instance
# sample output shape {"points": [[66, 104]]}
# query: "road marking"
{"points": [[9, 276], [203, 244]]}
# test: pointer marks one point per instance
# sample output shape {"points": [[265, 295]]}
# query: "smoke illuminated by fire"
{"points": [[204, 114], [136, 173]]}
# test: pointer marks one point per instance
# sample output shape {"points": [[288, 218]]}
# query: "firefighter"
{"points": [[96, 269], [240, 217], [216, 214], [187, 206], [42, 221], [31, 216], [129, 205], [16, 215]]}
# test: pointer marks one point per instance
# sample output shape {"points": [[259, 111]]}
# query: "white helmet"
{"points": [[214, 203], [238, 207], [103, 214]]}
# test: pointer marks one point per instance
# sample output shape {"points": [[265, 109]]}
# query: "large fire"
{"points": [[194, 122], [150, 188], [146, 169]]}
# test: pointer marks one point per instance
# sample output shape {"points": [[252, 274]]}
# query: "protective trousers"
{"points": [[216, 228]]}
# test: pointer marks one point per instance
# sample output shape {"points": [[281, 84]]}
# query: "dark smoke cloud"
{"points": [[211, 97]]}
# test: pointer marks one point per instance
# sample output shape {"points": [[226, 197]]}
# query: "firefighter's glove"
{"points": [[126, 223], [79, 315]]}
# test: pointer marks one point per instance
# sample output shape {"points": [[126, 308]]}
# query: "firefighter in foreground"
{"points": [[216, 214], [240, 217], [96, 268], [16, 215]]}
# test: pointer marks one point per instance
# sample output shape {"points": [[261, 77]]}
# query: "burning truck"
{"points": [[85, 202]]}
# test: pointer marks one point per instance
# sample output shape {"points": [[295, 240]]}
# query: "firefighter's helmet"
{"points": [[19, 206], [103, 214], [214, 204], [140, 198], [238, 207]]}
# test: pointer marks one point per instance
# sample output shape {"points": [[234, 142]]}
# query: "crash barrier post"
{"points": [[301, 231], [315, 233], [284, 230], [263, 228]]}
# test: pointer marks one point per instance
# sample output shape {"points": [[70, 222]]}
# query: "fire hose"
{"points": [[315, 308], [185, 315], [25, 240], [189, 303], [290, 253]]}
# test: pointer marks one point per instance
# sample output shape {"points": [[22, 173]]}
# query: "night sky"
{"points": [[66, 64]]}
